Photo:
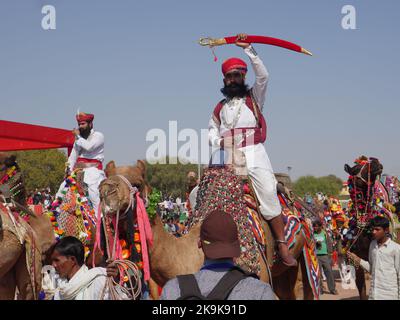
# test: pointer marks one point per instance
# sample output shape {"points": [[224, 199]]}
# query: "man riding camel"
{"points": [[87, 154], [237, 122]]}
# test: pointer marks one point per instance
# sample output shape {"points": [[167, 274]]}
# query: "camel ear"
{"points": [[142, 166], [110, 167], [348, 169]]}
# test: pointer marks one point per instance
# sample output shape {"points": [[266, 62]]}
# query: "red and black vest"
{"points": [[260, 132]]}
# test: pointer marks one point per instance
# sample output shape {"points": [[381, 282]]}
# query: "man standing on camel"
{"points": [[237, 122], [87, 154]]}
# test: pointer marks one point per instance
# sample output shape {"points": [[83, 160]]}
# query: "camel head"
{"points": [[114, 191], [7, 163], [364, 170], [114, 195]]}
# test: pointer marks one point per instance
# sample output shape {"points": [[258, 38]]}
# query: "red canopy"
{"points": [[21, 136]]}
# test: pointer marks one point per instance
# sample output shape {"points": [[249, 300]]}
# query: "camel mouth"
{"points": [[109, 209]]}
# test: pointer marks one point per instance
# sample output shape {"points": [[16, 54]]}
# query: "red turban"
{"points": [[81, 116], [234, 64]]}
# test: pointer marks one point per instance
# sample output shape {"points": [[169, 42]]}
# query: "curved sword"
{"points": [[211, 42]]}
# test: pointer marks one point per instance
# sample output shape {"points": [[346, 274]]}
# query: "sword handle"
{"points": [[212, 42]]}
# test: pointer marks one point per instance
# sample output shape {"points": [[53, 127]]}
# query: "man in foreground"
{"points": [[76, 281], [219, 278]]}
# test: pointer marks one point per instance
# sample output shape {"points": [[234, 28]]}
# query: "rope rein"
{"points": [[127, 269]]}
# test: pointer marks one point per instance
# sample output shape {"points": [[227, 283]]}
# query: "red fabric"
{"points": [[233, 64], [36, 208], [260, 134], [85, 160], [267, 40], [334, 258], [84, 117], [16, 136], [145, 233]]}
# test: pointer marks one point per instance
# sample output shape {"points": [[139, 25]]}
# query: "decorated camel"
{"points": [[24, 237], [170, 256], [369, 197]]}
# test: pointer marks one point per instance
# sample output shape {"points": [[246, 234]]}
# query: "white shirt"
{"points": [[86, 284], [384, 267], [90, 148], [256, 156]]}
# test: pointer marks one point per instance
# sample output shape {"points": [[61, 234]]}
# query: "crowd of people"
{"points": [[40, 197], [174, 215]]}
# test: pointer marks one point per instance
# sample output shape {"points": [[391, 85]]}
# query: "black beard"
{"points": [[235, 90], [85, 132]]}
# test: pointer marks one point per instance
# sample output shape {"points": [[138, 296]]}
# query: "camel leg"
{"points": [[23, 279], [153, 288], [298, 289], [284, 284], [7, 286], [360, 283], [10, 251]]}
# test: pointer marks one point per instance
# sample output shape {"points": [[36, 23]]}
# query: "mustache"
{"points": [[235, 90]]}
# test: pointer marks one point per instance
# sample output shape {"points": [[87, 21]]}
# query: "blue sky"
{"points": [[137, 65]]}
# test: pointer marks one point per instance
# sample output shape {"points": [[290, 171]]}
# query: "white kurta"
{"points": [[384, 267], [90, 148], [257, 161], [84, 285]]}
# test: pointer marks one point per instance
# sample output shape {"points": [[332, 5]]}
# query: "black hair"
{"points": [[317, 223], [71, 246], [380, 222]]}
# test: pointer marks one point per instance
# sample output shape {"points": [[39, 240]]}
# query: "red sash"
{"points": [[246, 136], [98, 163]]}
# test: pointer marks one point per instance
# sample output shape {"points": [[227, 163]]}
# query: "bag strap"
{"points": [[189, 287], [224, 287]]}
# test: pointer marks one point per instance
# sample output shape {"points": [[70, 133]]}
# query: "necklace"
{"points": [[232, 103]]}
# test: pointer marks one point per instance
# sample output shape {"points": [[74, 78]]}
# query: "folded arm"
{"points": [[92, 144]]}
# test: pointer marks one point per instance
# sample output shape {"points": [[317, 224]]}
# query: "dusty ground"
{"points": [[343, 294]]}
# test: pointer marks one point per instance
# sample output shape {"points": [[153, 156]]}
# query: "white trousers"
{"points": [[264, 184], [93, 177]]}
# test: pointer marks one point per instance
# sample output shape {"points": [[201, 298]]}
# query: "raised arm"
{"points": [[259, 88]]}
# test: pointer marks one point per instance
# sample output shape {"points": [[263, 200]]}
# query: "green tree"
{"points": [[170, 179], [330, 185], [42, 168]]}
